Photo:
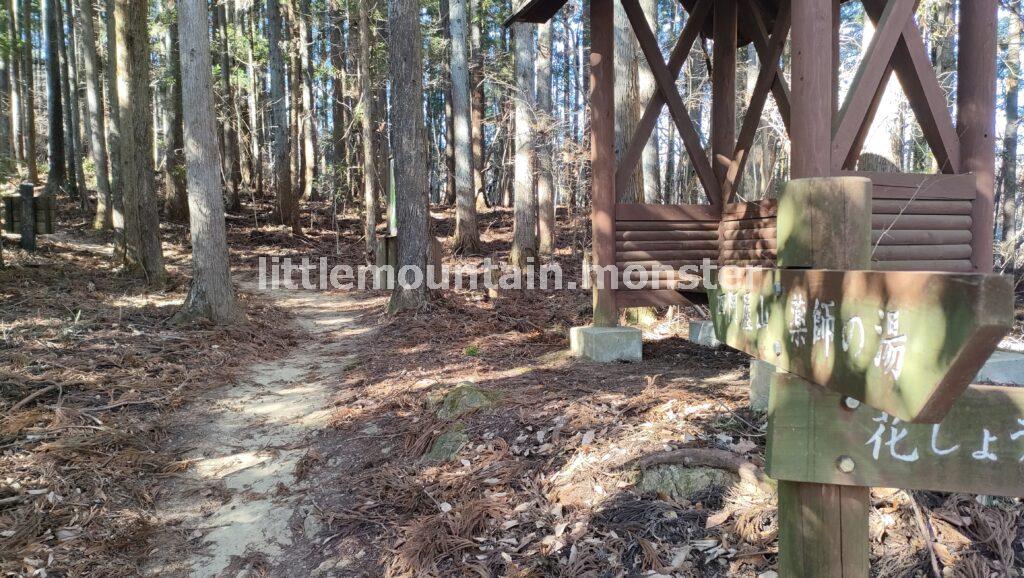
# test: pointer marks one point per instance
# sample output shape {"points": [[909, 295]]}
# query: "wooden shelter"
{"points": [[924, 222]]}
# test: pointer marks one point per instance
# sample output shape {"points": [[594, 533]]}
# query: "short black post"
{"points": [[28, 216]]}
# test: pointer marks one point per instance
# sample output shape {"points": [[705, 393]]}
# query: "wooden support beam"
{"points": [[602, 155], [752, 119], [677, 58], [976, 118], [758, 32], [823, 529], [927, 98], [723, 90], [667, 88], [867, 82]]}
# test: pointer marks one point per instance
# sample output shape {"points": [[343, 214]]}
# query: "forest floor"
{"points": [[326, 438]]}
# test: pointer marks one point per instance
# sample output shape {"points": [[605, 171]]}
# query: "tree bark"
{"points": [[69, 92], [211, 295], [308, 111], [176, 195], [339, 117], [411, 186], [524, 242], [627, 100], [1012, 110], [232, 160], [449, 110], [369, 158], [143, 253], [255, 129], [545, 162], [31, 160], [287, 204], [477, 95], [96, 124], [57, 176], [114, 126], [650, 164], [467, 234], [17, 149], [6, 143]]}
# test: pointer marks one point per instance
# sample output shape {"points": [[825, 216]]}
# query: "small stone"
{"points": [[682, 483], [324, 569], [371, 430], [447, 446], [312, 525], [768, 574], [465, 398]]}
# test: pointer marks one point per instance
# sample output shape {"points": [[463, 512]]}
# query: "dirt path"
{"points": [[240, 507]]}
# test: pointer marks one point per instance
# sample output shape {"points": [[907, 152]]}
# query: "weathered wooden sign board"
{"points": [[818, 436], [907, 343]]}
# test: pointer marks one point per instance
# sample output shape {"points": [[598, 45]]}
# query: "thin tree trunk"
{"points": [[6, 101], [411, 186], [369, 158], [70, 59], [627, 100], [282, 162], [308, 112], [339, 117], [75, 175], [255, 131], [545, 162], [449, 110], [647, 86], [57, 176], [114, 126], [176, 194], [96, 124], [28, 78], [143, 253], [232, 162], [211, 295], [1009, 172], [524, 242], [476, 76], [467, 234], [17, 149]]}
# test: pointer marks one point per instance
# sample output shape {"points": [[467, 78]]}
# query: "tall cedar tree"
{"points": [[287, 204], [57, 175], [366, 103], [142, 252], [175, 193], [545, 164], [524, 242], [211, 295], [411, 184], [95, 117], [467, 234]]}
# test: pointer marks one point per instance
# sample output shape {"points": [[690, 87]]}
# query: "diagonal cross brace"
{"points": [[766, 79], [667, 94]]}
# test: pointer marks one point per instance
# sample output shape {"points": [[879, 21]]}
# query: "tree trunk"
{"points": [[467, 234], [449, 110], [627, 100], [143, 253], [17, 149], [524, 242], [1013, 71], [57, 176], [287, 205], [546, 133], [114, 126], [308, 113], [232, 161], [339, 117], [211, 295], [176, 194], [368, 116], [6, 102], [411, 187], [96, 124], [255, 132], [72, 108], [647, 86], [31, 160], [476, 77]]}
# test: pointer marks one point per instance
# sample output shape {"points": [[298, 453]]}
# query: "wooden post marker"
{"points": [[28, 216], [873, 370]]}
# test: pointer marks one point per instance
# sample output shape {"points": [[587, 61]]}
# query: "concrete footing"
{"points": [[1004, 367], [761, 373], [606, 344], [703, 333]]}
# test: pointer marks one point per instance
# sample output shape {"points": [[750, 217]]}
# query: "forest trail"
{"points": [[240, 505]]}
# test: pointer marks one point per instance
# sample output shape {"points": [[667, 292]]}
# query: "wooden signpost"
{"points": [[873, 387]]}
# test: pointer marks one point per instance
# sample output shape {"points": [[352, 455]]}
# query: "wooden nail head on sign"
{"points": [[907, 343]]}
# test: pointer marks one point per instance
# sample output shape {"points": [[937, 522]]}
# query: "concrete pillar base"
{"points": [[761, 373], [606, 344], [703, 333]]}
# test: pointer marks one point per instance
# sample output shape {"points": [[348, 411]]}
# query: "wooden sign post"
{"points": [[873, 369]]}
